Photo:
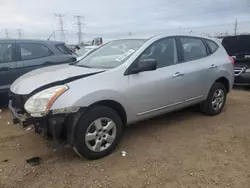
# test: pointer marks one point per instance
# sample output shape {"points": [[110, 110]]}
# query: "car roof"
{"points": [[147, 37], [33, 41]]}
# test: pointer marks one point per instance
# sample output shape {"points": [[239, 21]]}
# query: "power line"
{"points": [[180, 29], [61, 26], [187, 16], [166, 9], [79, 26]]}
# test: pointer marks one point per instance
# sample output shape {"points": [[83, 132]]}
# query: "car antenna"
{"points": [[52, 34]]}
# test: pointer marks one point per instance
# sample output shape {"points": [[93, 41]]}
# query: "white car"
{"points": [[85, 51]]}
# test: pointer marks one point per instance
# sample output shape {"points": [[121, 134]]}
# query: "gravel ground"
{"points": [[182, 149]]}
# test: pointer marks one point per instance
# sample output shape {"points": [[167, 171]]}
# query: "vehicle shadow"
{"points": [[138, 130]]}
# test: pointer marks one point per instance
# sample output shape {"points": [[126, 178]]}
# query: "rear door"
{"points": [[197, 67], [8, 64]]}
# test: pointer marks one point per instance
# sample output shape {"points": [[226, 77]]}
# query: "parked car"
{"points": [[18, 57], [85, 51], [98, 41], [239, 48], [88, 103], [74, 48]]}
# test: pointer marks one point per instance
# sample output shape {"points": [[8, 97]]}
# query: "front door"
{"points": [[8, 65], [153, 92]]}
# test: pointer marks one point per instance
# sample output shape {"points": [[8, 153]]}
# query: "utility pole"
{"points": [[79, 24], [6, 31], [235, 27], [20, 33], [61, 26]]}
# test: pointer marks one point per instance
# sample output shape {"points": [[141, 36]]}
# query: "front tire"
{"points": [[97, 132], [215, 101]]}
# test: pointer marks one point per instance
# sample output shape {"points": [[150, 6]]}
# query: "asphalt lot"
{"points": [[181, 149]]}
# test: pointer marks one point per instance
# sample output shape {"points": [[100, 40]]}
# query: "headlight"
{"points": [[247, 70], [42, 101]]}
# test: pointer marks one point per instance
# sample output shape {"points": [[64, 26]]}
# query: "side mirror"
{"points": [[144, 65]]}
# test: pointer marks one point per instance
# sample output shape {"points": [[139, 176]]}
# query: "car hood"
{"points": [[50, 76], [237, 45]]}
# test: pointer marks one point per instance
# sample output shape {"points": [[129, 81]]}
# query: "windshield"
{"points": [[111, 54], [83, 51]]}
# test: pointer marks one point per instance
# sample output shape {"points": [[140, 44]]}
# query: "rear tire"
{"points": [[97, 132], [215, 101]]}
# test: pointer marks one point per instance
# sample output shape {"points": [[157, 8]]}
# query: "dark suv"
{"points": [[239, 48], [18, 57]]}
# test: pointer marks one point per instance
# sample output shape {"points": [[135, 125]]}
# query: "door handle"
{"points": [[213, 66], [5, 68], [177, 74]]}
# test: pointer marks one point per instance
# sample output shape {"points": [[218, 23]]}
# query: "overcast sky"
{"points": [[116, 18]]}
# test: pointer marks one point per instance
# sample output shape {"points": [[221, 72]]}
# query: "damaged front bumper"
{"points": [[54, 125], [21, 118]]}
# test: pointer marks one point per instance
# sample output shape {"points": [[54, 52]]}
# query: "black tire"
{"points": [[207, 107], [83, 124]]}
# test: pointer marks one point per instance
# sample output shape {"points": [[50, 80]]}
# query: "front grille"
{"points": [[238, 70]]}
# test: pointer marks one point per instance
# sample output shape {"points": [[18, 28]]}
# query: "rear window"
{"points": [[212, 45], [33, 51], [63, 48]]}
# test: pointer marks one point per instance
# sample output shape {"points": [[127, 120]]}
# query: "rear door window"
{"points": [[33, 51], [193, 48], [6, 52], [64, 49]]}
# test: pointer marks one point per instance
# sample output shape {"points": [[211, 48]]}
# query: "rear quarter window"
{"points": [[193, 48], [212, 45], [63, 48]]}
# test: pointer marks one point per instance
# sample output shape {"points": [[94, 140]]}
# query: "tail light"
{"points": [[232, 60]]}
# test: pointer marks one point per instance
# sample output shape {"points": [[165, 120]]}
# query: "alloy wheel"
{"points": [[100, 134], [218, 99]]}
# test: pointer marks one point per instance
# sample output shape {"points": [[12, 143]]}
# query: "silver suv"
{"points": [[88, 103]]}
